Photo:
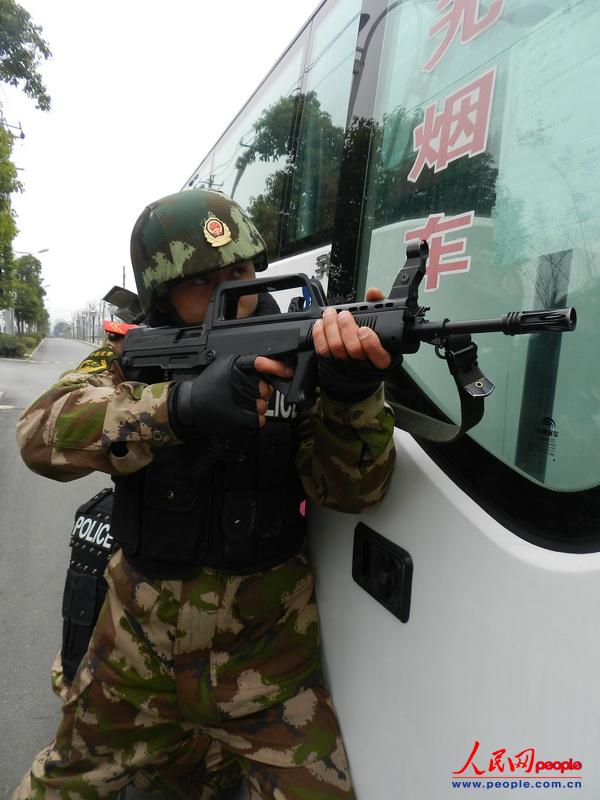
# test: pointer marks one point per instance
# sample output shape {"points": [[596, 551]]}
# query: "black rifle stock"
{"points": [[171, 353]]}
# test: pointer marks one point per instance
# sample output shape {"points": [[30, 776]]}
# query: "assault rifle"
{"points": [[170, 353]]}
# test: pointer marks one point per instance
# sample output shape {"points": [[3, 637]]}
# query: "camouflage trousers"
{"points": [[194, 684]]}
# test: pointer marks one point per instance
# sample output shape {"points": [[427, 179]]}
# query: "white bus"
{"points": [[473, 124]]}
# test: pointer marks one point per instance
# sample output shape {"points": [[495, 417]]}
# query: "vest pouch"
{"points": [[127, 512], [171, 488], [279, 526], [275, 455], [269, 515], [82, 600], [171, 516], [238, 539], [92, 544], [239, 515]]}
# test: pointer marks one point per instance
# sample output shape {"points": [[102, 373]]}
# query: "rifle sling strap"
{"points": [[472, 387], [434, 430]]}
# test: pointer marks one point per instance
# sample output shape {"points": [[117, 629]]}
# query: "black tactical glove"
{"points": [[349, 380], [221, 401]]}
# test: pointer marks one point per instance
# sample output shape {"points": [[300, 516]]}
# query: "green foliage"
{"points": [[30, 342], [21, 51], [8, 228], [28, 295], [19, 346], [311, 182], [6, 276], [8, 171], [42, 324], [264, 211], [12, 346], [468, 183], [272, 132], [62, 329], [29, 270]]}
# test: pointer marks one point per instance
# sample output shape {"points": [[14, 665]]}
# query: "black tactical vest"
{"points": [[235, 506]]}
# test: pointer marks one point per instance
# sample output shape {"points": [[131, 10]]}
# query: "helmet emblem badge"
{"points": [[216, 232]]}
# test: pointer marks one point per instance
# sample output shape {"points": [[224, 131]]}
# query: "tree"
{"points": [[311, 182], [62, 329], [8, 228], [28, 299], [467, 183], [27, 306], [21, 51]]}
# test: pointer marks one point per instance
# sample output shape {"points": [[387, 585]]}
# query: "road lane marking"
{"points": [[61, 363]]}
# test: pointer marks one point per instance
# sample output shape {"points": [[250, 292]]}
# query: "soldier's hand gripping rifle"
{"points": [[157, 354]]}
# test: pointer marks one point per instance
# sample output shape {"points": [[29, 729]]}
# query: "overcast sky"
{"points": [[141, 90]]}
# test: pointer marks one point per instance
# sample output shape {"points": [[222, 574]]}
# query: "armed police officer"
{"points": [[204, 665]]}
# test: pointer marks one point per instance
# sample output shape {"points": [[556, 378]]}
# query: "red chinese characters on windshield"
{"points": [[456, 126], [444, 256], [459, 129], [463, 16]]}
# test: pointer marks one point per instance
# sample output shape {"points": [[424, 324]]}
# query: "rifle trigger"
{"points": [[303, 382]]}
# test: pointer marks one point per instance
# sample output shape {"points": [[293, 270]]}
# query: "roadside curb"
{"points": [[14, 359], [33, 352]]}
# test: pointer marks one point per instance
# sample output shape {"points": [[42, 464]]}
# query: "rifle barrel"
{"points": [[515, 322]]}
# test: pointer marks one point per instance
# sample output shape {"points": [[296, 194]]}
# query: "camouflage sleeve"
{"points": [[346, 454], [71, 429]]}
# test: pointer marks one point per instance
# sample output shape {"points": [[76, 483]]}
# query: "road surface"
{"points": [[36, 517]]}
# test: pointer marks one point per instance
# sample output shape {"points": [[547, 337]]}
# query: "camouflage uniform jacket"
{"points": [[187, 682], [345, 458]]}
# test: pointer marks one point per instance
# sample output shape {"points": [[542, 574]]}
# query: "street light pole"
{"points": [[92, 312]]}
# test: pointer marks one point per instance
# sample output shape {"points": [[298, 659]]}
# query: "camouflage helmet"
{"points": [[187, 234]]}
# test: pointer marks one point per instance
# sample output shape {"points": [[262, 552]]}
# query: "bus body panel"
{"points": [[496, 669], [500, 647]]}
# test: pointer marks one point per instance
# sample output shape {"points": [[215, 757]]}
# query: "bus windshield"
{"points": [[484, 142]]}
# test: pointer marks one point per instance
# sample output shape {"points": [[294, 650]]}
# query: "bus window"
{"points": [[251, 160], [202, 177], [484, 143], [325, 93]]}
